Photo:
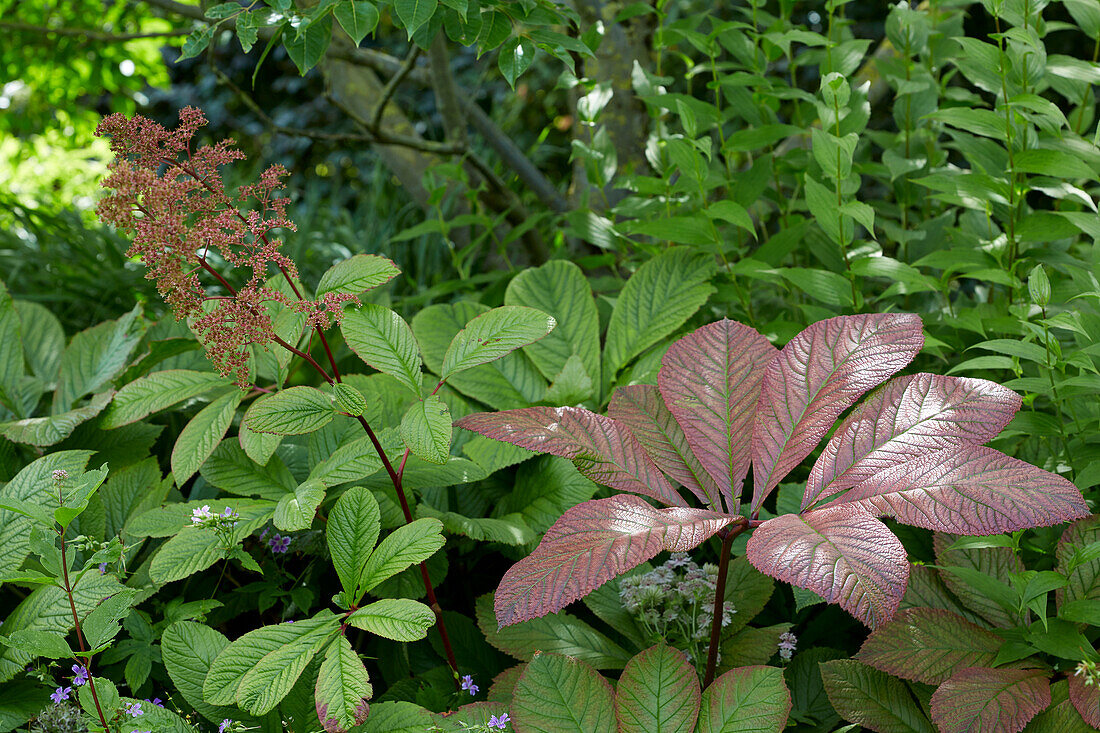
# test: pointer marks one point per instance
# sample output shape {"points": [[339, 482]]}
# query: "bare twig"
{"points": [[90, 34], [391, 88]]}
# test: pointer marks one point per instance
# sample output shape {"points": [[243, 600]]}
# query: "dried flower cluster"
{"points": [[173, 202], [675, 602]]}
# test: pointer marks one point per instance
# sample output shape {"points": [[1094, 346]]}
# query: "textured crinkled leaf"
{"points": [[658, 691], [94, 357], [400, 619], [230, 469], [603, 449], [982, 700], [11, 357], [1086, 699], [426, 429], [295, 510], [351, 531], [159, 390], [357, 274], [841, 553], [413, 543], [42, 336], [746, 700], [560, 289], [905, 418], [996, 562], [383, 340], [592, 543], [258, 446], [350, 462], [397, 717], [494, 334], [711, 380], [656, 300], [292, 411], [102, 623], [969, 490], [1084, 578], [342, 688], [273, 676], [556, 632], [559, 694], [819, 374], [187, 650], [873, 699], [642, 410], [202, 434], [45, 431], [928, 645]]}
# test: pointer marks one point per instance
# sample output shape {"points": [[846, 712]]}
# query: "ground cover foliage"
{"points": [[550, 367]]}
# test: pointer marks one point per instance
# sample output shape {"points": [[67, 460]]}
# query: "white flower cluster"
{"points": [[675, 602], [203, 517], [1090, 671], [788, 642]]}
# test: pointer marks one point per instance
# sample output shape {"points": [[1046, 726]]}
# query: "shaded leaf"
{"points": [[657, 692], [982, 699], [158, 391], [873, 699], [202, 434], [1086, 699]]}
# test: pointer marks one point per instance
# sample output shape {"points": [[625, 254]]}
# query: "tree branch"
{"points": [[391, 87], [90, 34]]}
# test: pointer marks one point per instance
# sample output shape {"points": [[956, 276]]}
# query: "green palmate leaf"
{"points": [[746, 700], [352, 529], [202, 434], [661, 295], [559, 289], [343, 687], [44, 431], [42, 336], [295, 511], [494, 334], [223, 682], [415, 13], [658, 691], [873, 699], [383, 340], [564, 695], [358, 18], [307, 43], [293, 411], [188, 649], [426, 429], [157, 391], [350, 462], [399, 619], [94, 357], [413, 543], [358, 273]]}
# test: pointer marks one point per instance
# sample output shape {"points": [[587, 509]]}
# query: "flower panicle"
{"points": [[169, 196]]}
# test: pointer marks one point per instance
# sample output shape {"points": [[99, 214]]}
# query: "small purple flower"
{"points": [[155, 701], [103, 568], [61, 693], [134, 709], [80, 674], [469, 686], [225, 725], [230, 514], [201, 515], [279, 544], [501, 722]]}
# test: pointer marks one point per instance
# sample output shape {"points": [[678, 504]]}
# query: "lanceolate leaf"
{"points": [[970, 490], [928, 645], [642, 410], [399, 619], [188, 649], [592, 543], [711, 382], [44, 431], [997, 563], [202, 434], [357, 273], [564, 695], [905, 418], [841, 553], [746, 700], [820, 373], [264, 685], [342, 688], [982, 699], [351, 531], [383, 340], [658, 691], [875, 700], [413, 543], [426, 429], [603, 450], [292, 411], [494, 334], [157, 391]]}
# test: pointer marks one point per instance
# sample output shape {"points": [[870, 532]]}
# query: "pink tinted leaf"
{"points": [[841, 553], [658, 691], [982, 700], [1086, 698], [603, 450], [906, 417], [819, 374], [592, 543], [928, 645], [711, 380], [969, 490], [641, 409]]}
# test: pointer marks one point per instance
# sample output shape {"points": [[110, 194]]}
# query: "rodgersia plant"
{"points": [[727, 399]]}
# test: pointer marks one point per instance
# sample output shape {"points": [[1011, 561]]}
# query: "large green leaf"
{"points": [[426, 429], [274, 674], [358, 273], [196, 548], [399, 619], [188, 649], [658, 692], [661, 295], [357, 18], [343, 687], [295, 510], [873, 699], [509, 529], [157, 391], [44, 431], [559, 694], [746, 700], [350, 462], [43, 338], [293, 411], [306, 45], [413, 543], [94, 357], [202, 434], [351, 531], [231, 470], [494, 334], [383, 340], [414, 13], [11, 356]]}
